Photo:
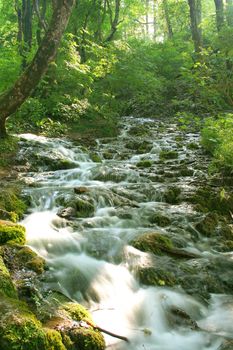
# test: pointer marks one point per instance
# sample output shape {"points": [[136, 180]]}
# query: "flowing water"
{"points": [[91, 258]]}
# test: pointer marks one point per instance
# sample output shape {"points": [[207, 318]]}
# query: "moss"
{"points": [[19, 329], [95, 158], [155, 243], [160, 220], [6, 285], [84, 207], [8, 150], [87, 339], [208, 225], [54, 340], [12, 233], [31, 260], [144, 164], [156, 276], [10, 216], [76, 311], [192, 146], [168, 154], [10, 202], [172, 195], [209, 200], [186, 172]]}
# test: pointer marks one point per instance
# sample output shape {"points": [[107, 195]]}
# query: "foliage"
{"points": [[217, 138]]}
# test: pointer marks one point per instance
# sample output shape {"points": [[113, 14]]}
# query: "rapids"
{"points": [[90, 258]]}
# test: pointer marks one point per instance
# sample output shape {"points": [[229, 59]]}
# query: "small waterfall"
{"points": [[89, 254]]}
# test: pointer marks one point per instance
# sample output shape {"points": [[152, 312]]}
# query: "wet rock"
{"points": [[155, 276], [160, 220], [227, 345], [9, 216], [144, 164], [66, 213], [208, 225], [179, 318], [185, 171], [11, 233], [168, 154], [172, 195], [6, 285], [210, 199], [155, 243], [81, 190], [95, 157], [193, 146]]}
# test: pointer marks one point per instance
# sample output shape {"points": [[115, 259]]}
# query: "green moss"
{"points": [[19, 329], [8, 150], [95, 158], [156, 276], [87, 339], [144, 164], [54, 340], [172, 195], [168, 154], [160, 220], [6, 215], [31, 260], [12, 233], [192, 146], [6, 285], [76, 311], [155, 243], [10, 202]]}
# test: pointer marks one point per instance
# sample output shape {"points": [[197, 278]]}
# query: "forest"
{"points": [[116, 173]]}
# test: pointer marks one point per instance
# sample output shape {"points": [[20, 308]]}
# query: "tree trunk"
{"points": [[147, 17], [154, 19], [195, 17], [229, 13], [114, 21], [219, 14], [11, 100], [167, 18]]}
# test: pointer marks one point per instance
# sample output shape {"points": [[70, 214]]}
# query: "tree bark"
{"points": [[219, 14], [229, 13], [11, 100], [167, 18], [195, 17], [114, 21]]}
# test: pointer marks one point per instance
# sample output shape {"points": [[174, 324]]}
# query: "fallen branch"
{"points": [[107, 332]]}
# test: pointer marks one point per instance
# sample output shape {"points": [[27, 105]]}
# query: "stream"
{"points": [[84, 218]]}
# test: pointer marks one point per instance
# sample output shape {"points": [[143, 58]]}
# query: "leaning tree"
{"points": [[12, 99]]}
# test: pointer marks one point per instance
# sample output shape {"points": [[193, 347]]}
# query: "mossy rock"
{"points": [[208, 225], [168, 154], [160, 220], [30, 259], [84, 207], [12, 233], [11, 203], [172, 195], [192, 146], [155, 243], [19, 329], [155, 276], [144, 164], [6, 285], [8, 215], [95, 158], [138, 131], [54, 340], [87, 339], [208, 199], [186, 172]]}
